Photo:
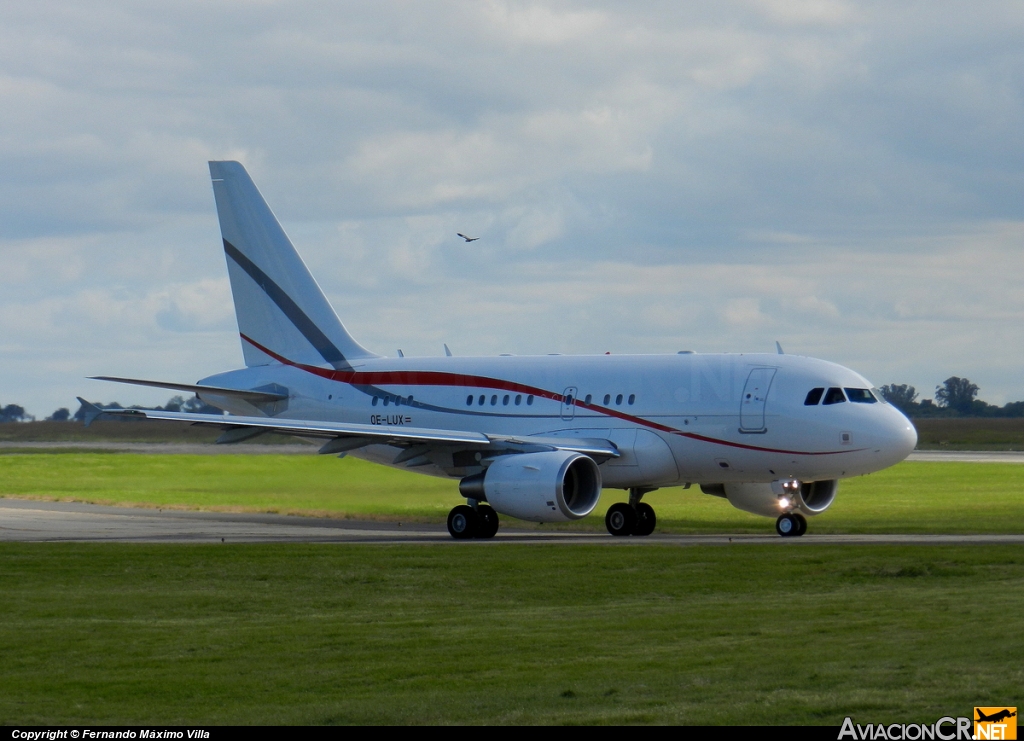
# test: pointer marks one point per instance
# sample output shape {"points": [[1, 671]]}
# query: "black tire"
{"points": [[787, 526], [801, 524], [463, 522], [488, 522], [645, 519], [620, 519]]}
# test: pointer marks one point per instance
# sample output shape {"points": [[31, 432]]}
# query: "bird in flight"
{"points": [[468, 239]]}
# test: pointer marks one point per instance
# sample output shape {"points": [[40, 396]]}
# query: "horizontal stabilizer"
{"points": [[246, 394]]}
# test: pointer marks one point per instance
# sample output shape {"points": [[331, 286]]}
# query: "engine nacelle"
{"points": [[779, 497], [554, 486]]}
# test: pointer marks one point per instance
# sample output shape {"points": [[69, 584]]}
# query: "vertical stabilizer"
{"points": [[278, 304]]}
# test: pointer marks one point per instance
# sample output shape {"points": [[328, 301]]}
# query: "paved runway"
{"points": [[31, 521]]}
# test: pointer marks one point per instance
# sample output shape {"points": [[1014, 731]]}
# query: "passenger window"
{"points": [[494, 399], [632, 398], [587, 400], [480, 401], [607, 398], [375, 400], [834, 396], [860, 396], [504, 402], [529, 400], [519, 399], [469, 400], [813, 397], [386, 400], [618, 399]]}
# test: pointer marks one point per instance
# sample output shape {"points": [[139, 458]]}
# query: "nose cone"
{"points": [[901, 437]]}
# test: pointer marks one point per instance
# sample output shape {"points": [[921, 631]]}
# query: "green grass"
{"points": [[970, 433], [489, 633], [910, 498]]}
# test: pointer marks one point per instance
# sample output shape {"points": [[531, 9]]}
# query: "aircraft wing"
{"points": [[380, 434]]}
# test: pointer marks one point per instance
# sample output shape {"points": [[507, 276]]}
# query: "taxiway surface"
{"points": [[34, 521]]}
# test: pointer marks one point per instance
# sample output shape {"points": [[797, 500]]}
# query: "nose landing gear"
{"points": [[791, 525], [635, 518]]}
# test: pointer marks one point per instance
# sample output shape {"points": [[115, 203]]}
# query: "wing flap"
{"points": [[304, 428], [238, 426]]}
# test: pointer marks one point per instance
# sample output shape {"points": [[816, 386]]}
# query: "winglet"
{"points": [[779, 347], [91, 410], [447, 352]]}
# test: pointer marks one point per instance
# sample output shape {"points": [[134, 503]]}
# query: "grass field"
{"points": [[970, 433], [909, 498], [317, 634], [313, 634]]}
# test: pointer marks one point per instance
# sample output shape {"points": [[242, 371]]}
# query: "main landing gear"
{"points": [[791, 525], [634, 518], [472, 521]]}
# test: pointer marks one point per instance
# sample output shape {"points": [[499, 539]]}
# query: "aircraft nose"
{"points": [[903, 436]]}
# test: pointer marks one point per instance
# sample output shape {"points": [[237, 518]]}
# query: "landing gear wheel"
{"points": [[463, 522], [488, 522], [801, 522], [645, 519], [788, 526], [621, 519]]}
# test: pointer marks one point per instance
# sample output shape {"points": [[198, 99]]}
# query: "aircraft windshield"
{"points": [[834, 396], [860, 396]]}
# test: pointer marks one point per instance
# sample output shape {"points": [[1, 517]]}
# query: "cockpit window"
{"points": [[860, 396], [834, 396], [877, 393], [813, 397]]}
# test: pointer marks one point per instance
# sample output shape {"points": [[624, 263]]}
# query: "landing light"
{"points": [[784, 502]]}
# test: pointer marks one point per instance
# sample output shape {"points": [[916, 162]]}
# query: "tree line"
{"points": [[16, 413], [954, 397]]}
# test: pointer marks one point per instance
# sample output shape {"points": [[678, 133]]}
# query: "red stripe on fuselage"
{"points": [[461, 380]]}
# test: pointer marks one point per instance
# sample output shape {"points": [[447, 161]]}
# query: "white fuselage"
{"points": [[675, 418]]}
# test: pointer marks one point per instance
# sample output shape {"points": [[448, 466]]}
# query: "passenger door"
{"points": [[569, 403], [755, 394]]}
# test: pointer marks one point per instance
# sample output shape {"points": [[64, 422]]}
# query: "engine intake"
{"points": [[554, 486]]}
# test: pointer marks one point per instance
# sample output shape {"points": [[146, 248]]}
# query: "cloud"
{"points": [[843, 177]]}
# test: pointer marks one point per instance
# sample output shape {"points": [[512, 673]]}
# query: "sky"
{"points": [[844, 178]]}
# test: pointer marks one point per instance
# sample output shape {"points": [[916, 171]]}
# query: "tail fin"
{"points": [[278, 304]]}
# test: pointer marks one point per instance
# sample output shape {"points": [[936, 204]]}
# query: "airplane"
{"points": [[995, 717], [468, 239], [531, 437]]}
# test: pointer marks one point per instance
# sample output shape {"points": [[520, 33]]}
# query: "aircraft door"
{"points": [[755, 393], [569, 403]]}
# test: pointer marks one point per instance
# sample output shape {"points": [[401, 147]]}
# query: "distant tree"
{"points": [[174, 404], [12, 413], [901, 396], [61, 415], [198, 406], [1013, 409], [957, 394]]}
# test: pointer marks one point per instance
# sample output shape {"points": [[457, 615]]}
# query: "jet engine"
{"points": [[778, 497], [553, 486]]}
